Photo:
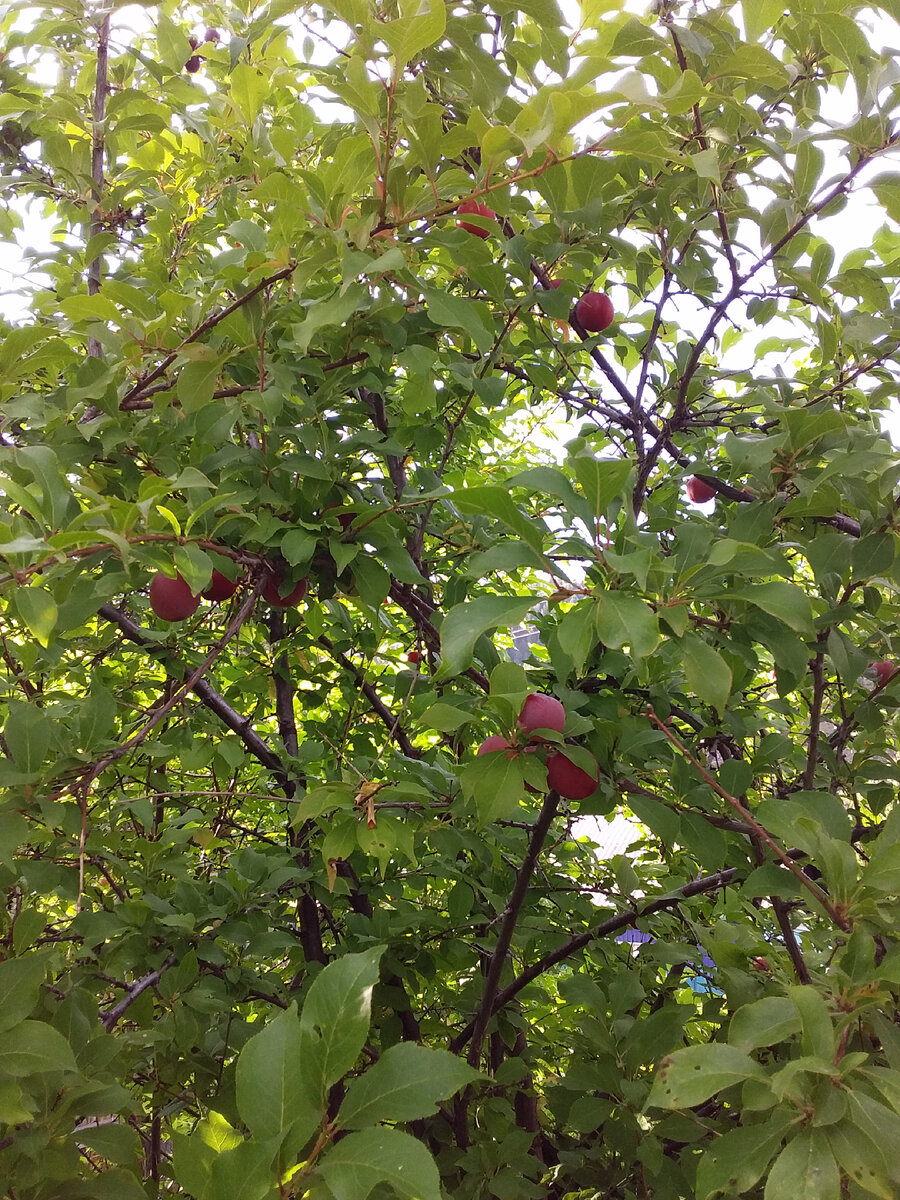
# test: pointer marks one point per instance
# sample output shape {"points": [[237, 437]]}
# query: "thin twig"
{"points": [[208, 695], [211, 322], [113, 1015], [838, 917]]}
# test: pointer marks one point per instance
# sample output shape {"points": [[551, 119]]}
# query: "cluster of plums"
{"points": [[172, 599], [193, 63], [594, 311], [545, 712]]}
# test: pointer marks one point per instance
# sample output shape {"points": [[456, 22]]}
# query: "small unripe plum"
{"points": [[698, 491], [479, 209], [567, 779], [595, 311], [413, 656], [884, 670], [220, 588], [542, 712], [272, 590], [193, 42], [172, 599], [192, 66], [494, 742], [211, 35]]}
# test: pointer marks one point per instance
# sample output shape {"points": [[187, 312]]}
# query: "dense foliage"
{"points": [[271, 927]]}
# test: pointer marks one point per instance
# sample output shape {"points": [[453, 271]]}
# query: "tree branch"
{"points": [[98, 148], [625, 920], [113, 1015], [137, 390], [208, 695], [508, 925], [392, 723]]}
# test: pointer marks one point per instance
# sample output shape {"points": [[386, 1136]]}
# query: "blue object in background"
{"points": [[700, 982]]}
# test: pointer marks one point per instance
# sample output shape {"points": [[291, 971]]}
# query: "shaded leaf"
{"points": [[361, 1160], [692, 1075], [466, 623], [405, 1083]]}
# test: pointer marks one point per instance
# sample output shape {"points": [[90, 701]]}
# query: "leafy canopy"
{"points": [[271, 927]]}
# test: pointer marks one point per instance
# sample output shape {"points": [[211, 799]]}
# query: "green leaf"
{"points": [[361, 1160], [323, 799], [623, 619], [466, 623], [298, 546], [20, 984], [249, 90], [276, 1084], [815, 1020], [38, 610], [82, 309], [336, 1012], [245, 1173], [635, 39], [882, 872], [738, 1159], [755, 64], [760, 15], [862, 1158], [172, 45], [334, 310], [115, 1141], [27, 733], [577, 632], [494, 783], [31, 1047], [602, 479], [445, 717], [708, 674], [456, 312], [196, 384], [405, 1083], [692, 1075], [421, 23], [56, 493], [497, 502], [785, 601], [706, 164], [808, 170], [763, 1023], [553, 482], [804, 1170]]}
